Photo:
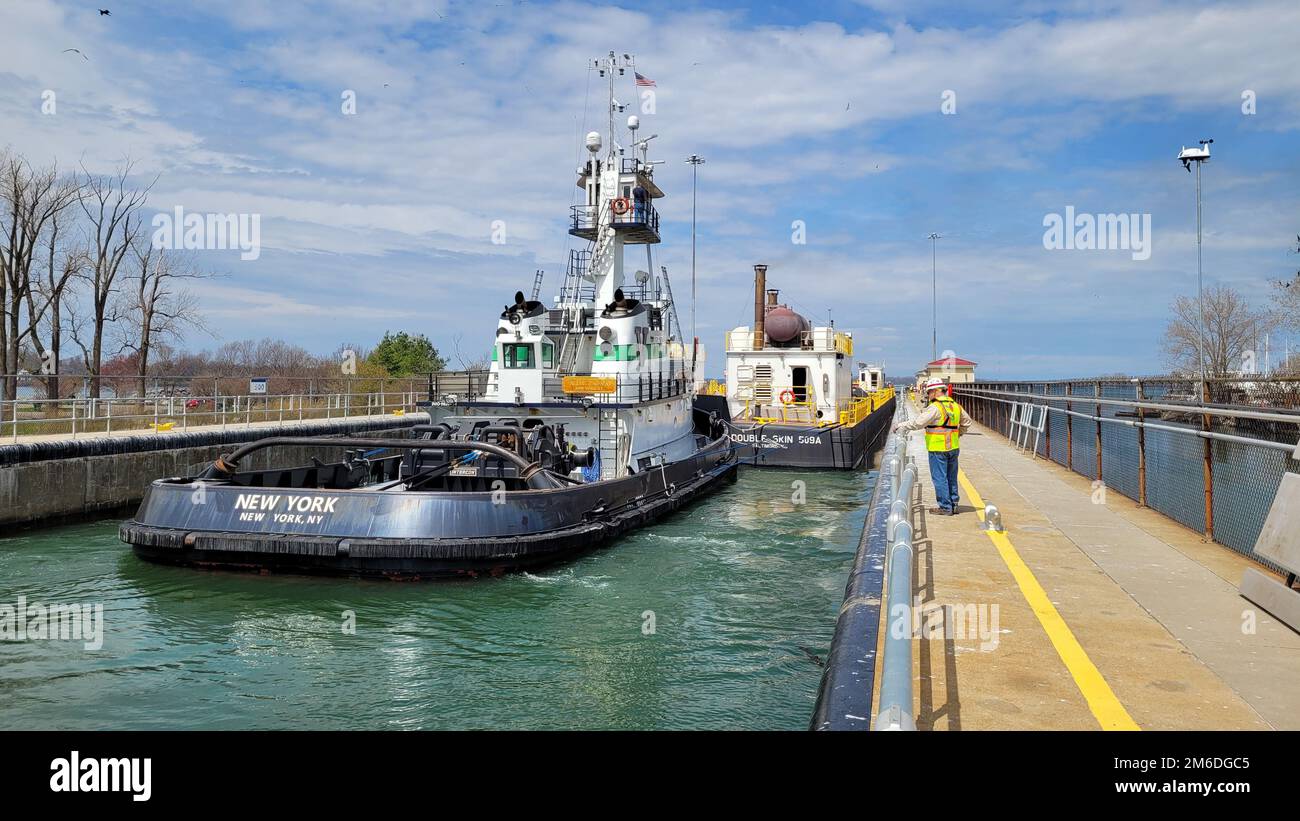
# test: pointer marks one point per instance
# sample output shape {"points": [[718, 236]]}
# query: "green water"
{"points": [[744, 586]]}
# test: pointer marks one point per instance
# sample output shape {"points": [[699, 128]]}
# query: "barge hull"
{"points": [[834, 447]]}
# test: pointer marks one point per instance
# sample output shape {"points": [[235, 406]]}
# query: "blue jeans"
{"points": [[943, 472]]}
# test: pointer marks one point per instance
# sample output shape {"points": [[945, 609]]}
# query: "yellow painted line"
{"points": [[1103, 703]]}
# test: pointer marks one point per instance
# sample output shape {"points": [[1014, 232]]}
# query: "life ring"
{"points": [[620, 206], [787, 397]]}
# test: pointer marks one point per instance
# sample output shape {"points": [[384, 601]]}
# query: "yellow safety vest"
{"points": [[945, 435]]}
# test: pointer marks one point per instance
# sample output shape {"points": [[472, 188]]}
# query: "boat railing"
{"points": [[646, 387], [584, 219], [802, 409], [855, 410], [714, 388], [818, 339], [576, 289]]}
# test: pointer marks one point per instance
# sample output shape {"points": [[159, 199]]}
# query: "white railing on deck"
{"points": [[822, 340]]}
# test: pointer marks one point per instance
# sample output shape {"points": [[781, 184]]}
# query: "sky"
{"points": [[858, 127]]}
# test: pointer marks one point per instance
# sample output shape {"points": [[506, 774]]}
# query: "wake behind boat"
{"points": [[584, 431]]}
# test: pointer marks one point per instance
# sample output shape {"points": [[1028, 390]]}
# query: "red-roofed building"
{"points": [[953, 370]]}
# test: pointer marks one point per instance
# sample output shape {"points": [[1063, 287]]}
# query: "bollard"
{"points": [[992, 519]]}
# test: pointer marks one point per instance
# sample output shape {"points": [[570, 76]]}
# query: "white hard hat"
{"points": [[935, 384]]}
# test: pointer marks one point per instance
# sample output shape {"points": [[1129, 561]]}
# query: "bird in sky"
{"points": [[105, 13], [84, 57]]}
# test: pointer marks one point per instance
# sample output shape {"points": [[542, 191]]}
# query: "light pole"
{"points": [[934, 304], [695, 161], [1188, 156]]}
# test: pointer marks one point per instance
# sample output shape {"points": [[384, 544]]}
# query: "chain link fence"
{"points": [[1212, 465]]}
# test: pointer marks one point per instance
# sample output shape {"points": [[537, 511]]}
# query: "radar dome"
{"points": [[593, 141]]}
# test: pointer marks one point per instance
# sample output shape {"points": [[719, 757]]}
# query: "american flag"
{"points": [[643, 80]]}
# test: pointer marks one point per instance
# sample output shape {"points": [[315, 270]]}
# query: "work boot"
{"points": [[939, 511]]}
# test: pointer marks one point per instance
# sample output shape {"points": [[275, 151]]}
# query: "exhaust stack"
{"points": [[760, 285]]}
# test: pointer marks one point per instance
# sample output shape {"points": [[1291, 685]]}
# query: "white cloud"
{"points": [[470, 113]]}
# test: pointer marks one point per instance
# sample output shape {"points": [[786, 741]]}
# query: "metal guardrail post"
{"points": [[1142, 450], [1069, 427], [1207, 472], [1097, 393], [1047, 425]]}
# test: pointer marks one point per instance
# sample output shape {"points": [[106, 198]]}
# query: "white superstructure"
{"points": [[791, 372], [607, 359]]}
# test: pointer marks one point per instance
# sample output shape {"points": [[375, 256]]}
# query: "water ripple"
{"points": [[711, 619]]}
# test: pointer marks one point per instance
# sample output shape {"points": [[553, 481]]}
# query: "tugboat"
{"points": [[792, 397], [583, 431]]}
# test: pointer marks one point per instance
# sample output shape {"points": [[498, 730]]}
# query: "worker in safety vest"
{"points": [[944, 421]]}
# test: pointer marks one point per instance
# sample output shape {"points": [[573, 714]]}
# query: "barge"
{"points": [[793, 397]]}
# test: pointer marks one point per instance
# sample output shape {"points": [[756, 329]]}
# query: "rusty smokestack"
{"points": [[771, 297], [760, 285]]}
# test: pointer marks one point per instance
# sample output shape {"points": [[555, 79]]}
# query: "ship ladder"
{"points": [[607, 443], [568, 358]]}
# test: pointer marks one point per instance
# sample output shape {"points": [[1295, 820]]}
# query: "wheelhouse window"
{"points": [[518, 355], [548, 355]]}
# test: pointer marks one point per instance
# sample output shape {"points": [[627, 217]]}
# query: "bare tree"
{"points": [[112, 209], [468, 362], [161, 310], [1286, 299], [1231, 327], [29, 200], [64, 260]]}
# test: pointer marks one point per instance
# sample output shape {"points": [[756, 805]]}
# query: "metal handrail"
{"points": [[164, 412], [586, 217], [1288, 447], [895, 711], [844, 698], [854, 411], [1203, 410]]}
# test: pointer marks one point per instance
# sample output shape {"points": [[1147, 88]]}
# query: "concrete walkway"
{"points": [[1095, 612]]}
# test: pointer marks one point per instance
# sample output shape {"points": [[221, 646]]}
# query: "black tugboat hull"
{"points": [[371, 534]]}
